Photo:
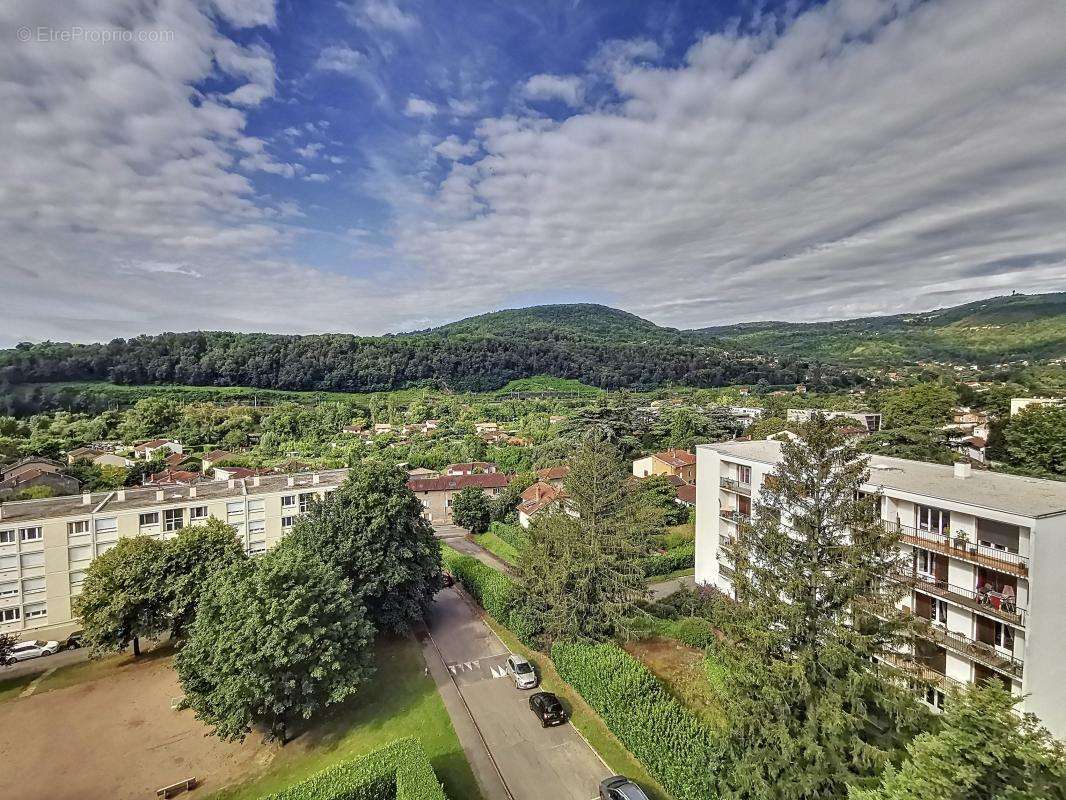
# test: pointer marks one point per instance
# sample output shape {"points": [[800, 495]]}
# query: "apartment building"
{"points": [[46, 545], [676, 463], [437, 494], [987, 554], [866, 419]]}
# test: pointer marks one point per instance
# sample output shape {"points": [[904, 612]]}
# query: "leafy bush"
{"points": [[399, 771], [675, 746], [693, 631], [683, 557], [514, 535]]}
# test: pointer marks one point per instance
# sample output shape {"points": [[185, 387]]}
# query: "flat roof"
{"points": [[997, 491], [21, 511]]}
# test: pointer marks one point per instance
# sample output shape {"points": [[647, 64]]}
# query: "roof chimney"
{"points": [[290, 481], [121, 495], [255, 480], [315, 478], [232, 483], [86, 498], [192, 491], [963, 469], [160, 495]]}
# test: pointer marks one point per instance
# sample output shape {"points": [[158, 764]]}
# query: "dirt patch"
{"points": [[682, 671], [115, 738]]}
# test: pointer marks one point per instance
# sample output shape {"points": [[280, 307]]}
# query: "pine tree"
{"points": [[810, 710], [581, 571]]}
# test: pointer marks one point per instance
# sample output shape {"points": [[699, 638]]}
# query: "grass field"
{"points": [[501, 549], [399, 701], [682, 670]]}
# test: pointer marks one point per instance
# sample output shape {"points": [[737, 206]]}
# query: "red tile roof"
{"points": [[553, 473], [484, 480], [676, 458], [686, 493]]}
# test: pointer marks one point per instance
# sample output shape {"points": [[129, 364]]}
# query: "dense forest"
{"points": [[475, 361]]}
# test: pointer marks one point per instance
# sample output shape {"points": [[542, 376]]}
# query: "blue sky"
{"points": [[387, 165]]}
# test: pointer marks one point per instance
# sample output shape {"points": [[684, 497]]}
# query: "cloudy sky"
{"points": [[386, 165]]}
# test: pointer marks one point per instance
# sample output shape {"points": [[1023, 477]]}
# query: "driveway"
{"points": [[460, 539], [667, 588], [533, 762]]}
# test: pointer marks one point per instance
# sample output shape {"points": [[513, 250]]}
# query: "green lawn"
{"points": [[11, 688], [499, 547], [399, 701]]}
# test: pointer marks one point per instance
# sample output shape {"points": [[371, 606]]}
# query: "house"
{"points": [[436, 493], [535, 499], [35, 471], [554, 475], [745, 415], [555, 419], [112, 460], [356, 430], [869, 420], [172, 476], [81, 454], [485, 427], [986, 558], [422, 472], [686, 494], [1019, 404], [383, 428], [146, 450], [471, 468], [209, 460], [669, 462], [494, 437]]}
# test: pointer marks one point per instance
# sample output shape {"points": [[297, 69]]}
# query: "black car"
{"points": [[72, 642], [548, 709], [620, 787]]}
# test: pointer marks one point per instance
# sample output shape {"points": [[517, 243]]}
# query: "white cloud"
{"points": [[316, 177], [462, 108], [454, 148], [309, 150], [417, 107], [380, 15], [568, 88], [342, 59]]}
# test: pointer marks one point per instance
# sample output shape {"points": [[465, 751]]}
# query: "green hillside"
{"points": [[1009, 328], [587, 320]]}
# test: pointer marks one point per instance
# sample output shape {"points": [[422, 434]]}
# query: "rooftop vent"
{"points": [[192, 491], [963, 469], [160, 495], [86, 498]]}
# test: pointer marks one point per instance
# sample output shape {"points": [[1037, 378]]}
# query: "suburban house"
{"points": [[35, 471], [112, 460], [101, 458], [1019, 404], [46, 545], [494, 437], [471, 468], [146, 450], [535, 499], [209, 460], [485, 427], [553, 475], [422, 472], [987, 553], [867, 419], [745, 415], [436, 493], [383, 427], [680, 463], [686, 494]]}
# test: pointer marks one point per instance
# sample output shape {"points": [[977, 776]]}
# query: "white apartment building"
{"points": [[988, 556], [866, 419], [46, 545]]}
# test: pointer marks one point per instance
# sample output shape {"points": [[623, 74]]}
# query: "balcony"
{"points": [[992, 604], [733, 485], [971, 648], [990, 557], [733, 515], [725, 570]]}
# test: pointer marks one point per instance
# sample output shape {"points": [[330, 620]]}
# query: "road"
{"points": [[532, 761], [459, 539], [38, 666], [667, 588]]}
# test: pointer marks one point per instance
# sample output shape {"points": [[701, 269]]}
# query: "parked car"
{"points": [[73, 641], [525, 677], [548, 709], [31, 649], [619, 787]]}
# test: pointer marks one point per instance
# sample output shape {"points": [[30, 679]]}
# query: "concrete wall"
{"points": [[1045, 646]]}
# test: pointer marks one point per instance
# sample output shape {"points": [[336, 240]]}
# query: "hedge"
{"points": [[693, 631], [514, 535], [399, 771], [677, 748], [494, 592], [682, 557]]}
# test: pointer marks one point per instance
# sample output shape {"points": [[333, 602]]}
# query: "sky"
{"points": [[373, 166]]}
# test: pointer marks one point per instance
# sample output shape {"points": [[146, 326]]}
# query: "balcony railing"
{"points": [[1000, 560], [979, 651], [733, 515], [992, 604], [734, 485], [726, 570], [920, 671]]}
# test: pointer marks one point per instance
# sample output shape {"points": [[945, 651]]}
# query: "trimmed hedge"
{"points": [[675, 746], [514, 535], [494, 592], [682, 557], [399, 771]]}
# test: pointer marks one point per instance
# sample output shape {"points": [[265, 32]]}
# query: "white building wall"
{"points": [[1045, 642], [708, 472]]}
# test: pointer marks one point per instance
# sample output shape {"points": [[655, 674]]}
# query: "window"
{"points": [[32, 560], [256, 548], [151, 518], [79, 528], [288, 500], [934, 520], [925, 561], [77, 578], [939, 611], [8, 562], [33, 585], [235, 509], [82, 552], [103, 548], [106, 525], [744, 474], [1004, 636], [36, 610], [934, 697], [287, 522], [173, 518], [9, 589], [197, 513], [306, 499], [256, 507], [256, 526], [7, 537], [10, 614], [30, 534]]}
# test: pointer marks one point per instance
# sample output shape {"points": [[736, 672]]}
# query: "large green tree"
{"points": [[471, 510], [922, 405], [1035, 440], [276, 640], [809, 709], [916, 443], [193, 556], [126, 595], [983, 750], [581, 572], [372, 530]]}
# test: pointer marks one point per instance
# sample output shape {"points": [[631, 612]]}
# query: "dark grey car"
{"points": [[619, 787]]}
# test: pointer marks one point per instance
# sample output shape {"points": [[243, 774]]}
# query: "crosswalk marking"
{"points": [[498, 672]]}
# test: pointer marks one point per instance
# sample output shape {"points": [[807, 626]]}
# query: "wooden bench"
{"points": [[181, 786]]}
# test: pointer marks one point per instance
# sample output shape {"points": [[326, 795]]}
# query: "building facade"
{"points": [[677, 463], [987, 554], [437, 494], [46, 545]]}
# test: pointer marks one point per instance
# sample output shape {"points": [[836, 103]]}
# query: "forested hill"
{"points": [[1000, 329], [587, 320]]}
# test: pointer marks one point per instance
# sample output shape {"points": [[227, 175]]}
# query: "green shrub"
{"points": [[683, 557], [399, 771], [494, 591], [514, 535], [676, 747]]}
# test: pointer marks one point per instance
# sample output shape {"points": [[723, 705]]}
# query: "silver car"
{"points": [[525, 677], [31, 649]]}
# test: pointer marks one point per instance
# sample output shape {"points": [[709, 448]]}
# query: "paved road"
{"points": [[667, 588], [38, 666], [534, 762], [459, 539]]}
